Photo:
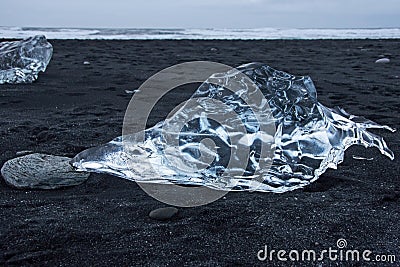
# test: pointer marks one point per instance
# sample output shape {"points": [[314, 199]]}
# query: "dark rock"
{"points": [[41, 171], [391, 197], [163, 214]]}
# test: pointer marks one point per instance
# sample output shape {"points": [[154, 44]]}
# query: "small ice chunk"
{"points": [[361, 158], [23, 152], [86, 62], [383, 60], [21, 61], [132, 91]]}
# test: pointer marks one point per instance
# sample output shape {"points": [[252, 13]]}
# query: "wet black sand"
{"points": [[105, 221]]}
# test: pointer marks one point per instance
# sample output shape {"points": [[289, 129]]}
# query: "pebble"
{"points": [[385, 55], [383, 60], [163, 214], [41, 171]]}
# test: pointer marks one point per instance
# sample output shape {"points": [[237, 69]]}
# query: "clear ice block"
{"points": [[308, 139], [21, 61]]}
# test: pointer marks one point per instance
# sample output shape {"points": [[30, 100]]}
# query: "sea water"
{"points": [[201, 34]]}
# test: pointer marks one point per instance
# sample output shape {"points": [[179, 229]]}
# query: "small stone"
{"points": [[41, 171], [163, 214], [385, 55], [383, 60], [86, 63], [392, 196]]}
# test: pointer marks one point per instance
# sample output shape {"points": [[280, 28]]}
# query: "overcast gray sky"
{"points": [[201, 13]]}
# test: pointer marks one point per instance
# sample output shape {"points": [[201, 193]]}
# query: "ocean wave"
{"points": [[202, 34]]}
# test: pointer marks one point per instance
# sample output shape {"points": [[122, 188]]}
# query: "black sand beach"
{"points": [[105, 221]]}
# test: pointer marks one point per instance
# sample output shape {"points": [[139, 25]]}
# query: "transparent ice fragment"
{"points": [[21, 61], [361, 158], [309, 139]]}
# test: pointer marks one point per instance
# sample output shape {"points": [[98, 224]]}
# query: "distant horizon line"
{"points": [[201, 28]]}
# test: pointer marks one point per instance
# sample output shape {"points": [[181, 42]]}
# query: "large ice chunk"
{"points": [[21, 61], [309, 138]]}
